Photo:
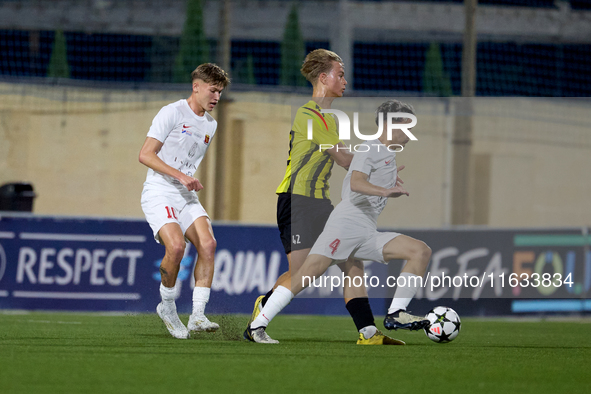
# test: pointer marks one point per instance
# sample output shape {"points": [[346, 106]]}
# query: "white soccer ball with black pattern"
{"points": [[445, 324]]}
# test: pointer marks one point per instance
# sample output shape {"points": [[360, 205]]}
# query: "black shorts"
{"points": [[301, 220]]}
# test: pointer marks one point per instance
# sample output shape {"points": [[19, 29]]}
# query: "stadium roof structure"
{"points": [[370, 21]]}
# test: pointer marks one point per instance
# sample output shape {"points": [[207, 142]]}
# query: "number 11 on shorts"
{"points": [[170, 212]]}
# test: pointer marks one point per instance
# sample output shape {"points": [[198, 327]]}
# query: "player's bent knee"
{"points": [[424, 254], [176, 250], [209, 246], [425, 251], [420, 251]]}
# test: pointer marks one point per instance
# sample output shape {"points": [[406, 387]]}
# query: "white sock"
{"points": [[167, 294], [368, 331], [279, 299], [200, 299], [404, 294]]}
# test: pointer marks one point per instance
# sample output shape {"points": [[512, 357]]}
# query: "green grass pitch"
{"points": [[93, 353]]}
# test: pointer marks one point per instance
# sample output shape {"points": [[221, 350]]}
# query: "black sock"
{"points": [[360, 311], [264, 300]]}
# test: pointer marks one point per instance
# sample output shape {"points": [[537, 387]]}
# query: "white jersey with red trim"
{"points": [[351, 229], [379, 163], [185, 137]]}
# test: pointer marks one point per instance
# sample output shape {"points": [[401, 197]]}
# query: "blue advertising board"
{"points": [[65, 263], [508, 271]]}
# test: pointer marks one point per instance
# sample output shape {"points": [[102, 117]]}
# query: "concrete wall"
{"points": [[79, 147], [81, 157]]}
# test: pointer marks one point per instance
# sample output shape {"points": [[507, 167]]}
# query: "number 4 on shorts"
{"points": [[334, 245]]}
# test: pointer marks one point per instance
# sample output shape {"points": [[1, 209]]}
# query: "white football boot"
{"points": [[258, 335], [171, 320], [201, 323]]}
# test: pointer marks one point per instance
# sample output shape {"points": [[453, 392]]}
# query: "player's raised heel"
{"points": [[255, 311], [258, 335], [379, 339], [172, 322], [400, 320], [201, 323]]}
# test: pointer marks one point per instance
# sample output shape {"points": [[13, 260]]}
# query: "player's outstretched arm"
{"points": [[399, 181], [360, 184], [341, 155], [149, 158]]}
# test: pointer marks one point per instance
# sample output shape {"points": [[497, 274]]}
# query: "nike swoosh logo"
{"points": [[185, 127], [388, 162]]}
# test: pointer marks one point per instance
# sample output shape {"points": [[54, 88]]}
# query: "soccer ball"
{"points": [[445, 324]]}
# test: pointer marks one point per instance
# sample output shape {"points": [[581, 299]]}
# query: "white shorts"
{"points": [[162, 207], [339, 242]]}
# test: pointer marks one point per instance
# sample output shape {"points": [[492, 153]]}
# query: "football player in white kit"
{"points": [[351, 230], [176, 143]]}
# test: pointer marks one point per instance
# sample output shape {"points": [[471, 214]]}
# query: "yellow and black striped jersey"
{"points": [[309, 168]]}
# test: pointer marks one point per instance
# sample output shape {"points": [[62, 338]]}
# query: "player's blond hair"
{"points": [[211, 73], [317, 62]]}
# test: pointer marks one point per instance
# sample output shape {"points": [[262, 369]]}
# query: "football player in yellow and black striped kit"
{"points": [[304, 205]]}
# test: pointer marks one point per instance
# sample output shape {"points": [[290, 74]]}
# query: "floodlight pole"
{"points": [[224, 159], [341, 40], [462, 194]]}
